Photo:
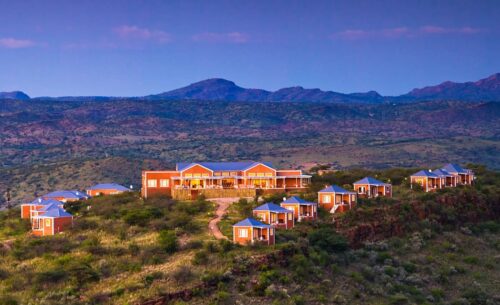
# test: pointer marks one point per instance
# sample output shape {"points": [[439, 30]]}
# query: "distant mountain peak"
{"points": [[483, 89], [14, 95]]}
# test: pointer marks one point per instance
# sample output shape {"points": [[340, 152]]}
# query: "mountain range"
{"points": [[487, 89]]}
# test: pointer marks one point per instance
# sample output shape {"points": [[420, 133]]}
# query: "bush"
{"points": [[200, 258], [168, 241], [7, 300], [327, 239]]}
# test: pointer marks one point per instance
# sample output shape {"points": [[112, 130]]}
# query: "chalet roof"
{"points": [[371, 181], [271, 207], [298, 200], [109, 186], [41, 201], [335, 189], [51, 206], [251, 222], [56, 212], [72, 194], [454, 168], [441, 173], [222, 166], [424, 173]]}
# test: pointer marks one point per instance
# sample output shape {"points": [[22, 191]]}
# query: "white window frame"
{"points": [[152, 183], [164, 182], [327, 199], [243, 233]]}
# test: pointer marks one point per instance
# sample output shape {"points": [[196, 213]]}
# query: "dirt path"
{"points": [[222, 205]]}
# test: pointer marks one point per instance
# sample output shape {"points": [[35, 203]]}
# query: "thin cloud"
{"points": [[132, 32], [13, 43], [403, 32], [231, 37]]}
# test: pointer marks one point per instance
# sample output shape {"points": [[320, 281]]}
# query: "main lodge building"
{"points": [[221, 179]]}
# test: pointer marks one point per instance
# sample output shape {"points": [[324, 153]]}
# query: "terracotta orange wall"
{"points": [[152, 191], [292, 182], [327, 206], [26, 211], [287, 172], [295, 209], [242, 240], [197, 169], [260, 169], [261, 214], [62, 223]]}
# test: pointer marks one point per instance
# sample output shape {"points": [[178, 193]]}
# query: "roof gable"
{"points": [[297, 200], [56, 212], [370, 180], [66, 194], [109, 186], [335, 189], [271, 207], [251, 222], [424, 173], [223, 166]]}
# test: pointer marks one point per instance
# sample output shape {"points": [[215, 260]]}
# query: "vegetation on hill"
{"points": [[124, 250], [55, 144]]}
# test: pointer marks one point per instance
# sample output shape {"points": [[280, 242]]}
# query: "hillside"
{"points": [[39, 134], [124, 250]]}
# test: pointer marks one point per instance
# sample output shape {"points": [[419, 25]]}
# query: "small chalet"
{"points": [[336, 199], [369, 187], [464, 176], [302, 209], [66, 196], [51, 221], [28, 209], [447, 179], [427, 180], [250, 231], [106, 189], [274, 215]]}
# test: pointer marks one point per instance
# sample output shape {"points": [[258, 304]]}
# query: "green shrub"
{"points": [[200, 258], [8, 300], [168, 241], [150, 278], [327, 239]]}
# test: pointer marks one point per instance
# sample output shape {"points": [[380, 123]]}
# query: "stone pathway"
{"points": [[222, 205]]}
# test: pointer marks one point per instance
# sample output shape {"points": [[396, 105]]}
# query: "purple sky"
{"points": [[131, 48]]}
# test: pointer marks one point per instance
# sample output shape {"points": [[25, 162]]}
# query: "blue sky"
{"points": [[132, 48]]}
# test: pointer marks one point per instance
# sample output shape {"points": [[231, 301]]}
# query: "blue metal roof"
{"points": [[51, 206], [272, 207], [370, 180], [454, 168], [423, 173], [41, 201], [56, 212], [109, 186], [298, 200], [251, 222], [222, 166], [335, 189], [441, 173], [67, 194]]}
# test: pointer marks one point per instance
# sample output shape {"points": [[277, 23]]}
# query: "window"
{"points": [[152, 183], [269, 174], [362, 189], [217, 174], [204, 175], [188, 175], [243, 233], [327, 199], [271, 232], [290, 208], [251, 174], [289, 216], [164, 183], [261, 174], [234, 174], [197, 175], [47, 222]]}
